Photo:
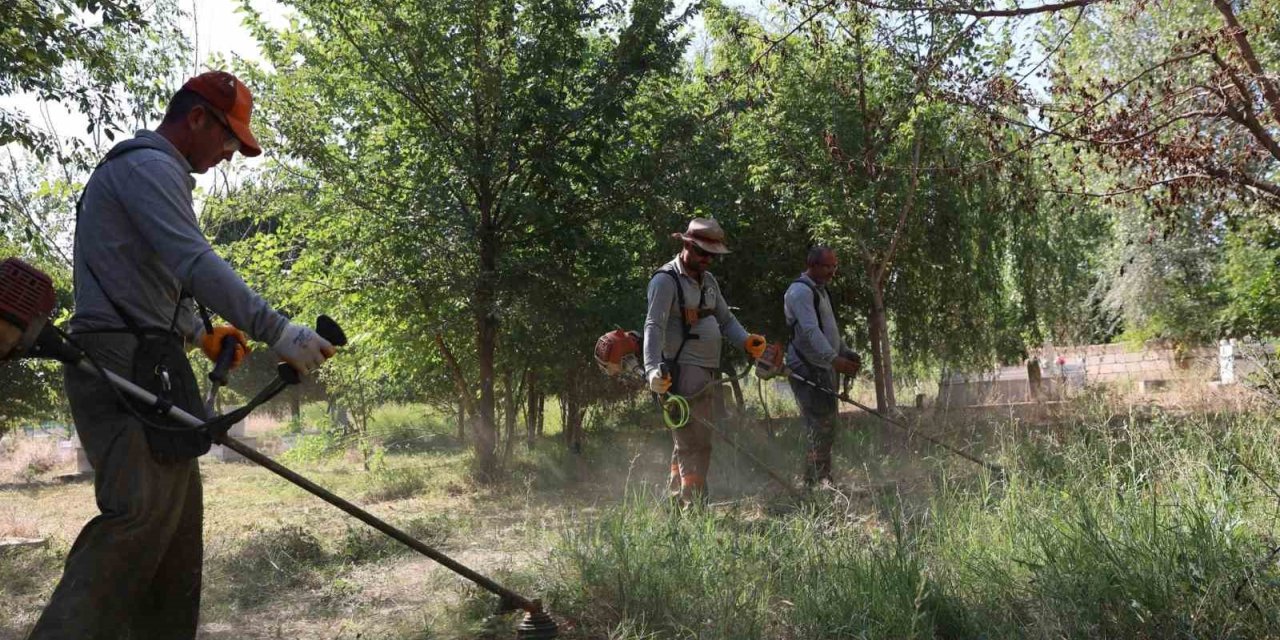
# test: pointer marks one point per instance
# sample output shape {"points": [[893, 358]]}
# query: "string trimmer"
{"points": [[770, 365], [618, 354], [26, 302]]}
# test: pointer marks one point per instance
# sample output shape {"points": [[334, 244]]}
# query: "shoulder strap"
{"points": [[817, 309], [124, 148], [684, 321], [675, 279], [817, 312]]}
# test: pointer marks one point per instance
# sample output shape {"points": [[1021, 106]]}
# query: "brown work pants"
{"points": [[821, 412], [691, 459], [134, 570]]}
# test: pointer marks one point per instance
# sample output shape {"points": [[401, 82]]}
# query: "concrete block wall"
{"points": [[1114, 362], [1148, 369]]}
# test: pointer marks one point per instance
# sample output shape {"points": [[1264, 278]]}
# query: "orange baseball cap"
{"points": [[227, 94]]}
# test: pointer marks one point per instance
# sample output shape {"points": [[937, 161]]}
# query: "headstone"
{"points": [[67, 450], [82, 458], [219, 452], [9, 544], [1152, 386], [1227, 361]]}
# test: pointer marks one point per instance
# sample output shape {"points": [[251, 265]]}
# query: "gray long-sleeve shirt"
{"points": [[664, 330], [137, 227], [819, 346]]}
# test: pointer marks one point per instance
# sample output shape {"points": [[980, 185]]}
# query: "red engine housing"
{"points": [[26, 301], [618, 352]]}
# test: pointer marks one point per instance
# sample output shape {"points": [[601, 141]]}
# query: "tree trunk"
{"points": [[462, 420], [881, 351], [486, 346], [531, 410], [340, 416], [573, 426], [571, 413], [508, 414], [542, 413], [295, 402], [564, 418], [737, 393]]}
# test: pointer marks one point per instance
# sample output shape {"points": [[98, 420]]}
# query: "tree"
{"points": [[850, 129], [1171, 116], [432, 135], [1180, 99], [107, 59]]}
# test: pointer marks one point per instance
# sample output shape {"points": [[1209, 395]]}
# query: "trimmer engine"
{"points": [[619, 354], [26, 302]]}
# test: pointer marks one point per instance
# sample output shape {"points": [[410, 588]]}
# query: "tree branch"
{"points": [[1241, 37], [459, 379], [987, 13], [1134, 189], [1270, 188], [907, 206]]}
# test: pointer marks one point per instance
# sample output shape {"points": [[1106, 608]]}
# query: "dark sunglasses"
{"points": [[230, 141], [700, 251]]}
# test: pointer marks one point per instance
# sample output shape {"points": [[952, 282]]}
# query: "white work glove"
{"points": [[302, 348], [659, 382]]}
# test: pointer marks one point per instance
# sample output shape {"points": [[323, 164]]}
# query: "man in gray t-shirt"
{"points": [[134, 570], [816, 352], [687, 341]]}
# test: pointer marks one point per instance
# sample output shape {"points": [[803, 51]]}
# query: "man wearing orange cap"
{"points": [[687, 320], [140, 259]]}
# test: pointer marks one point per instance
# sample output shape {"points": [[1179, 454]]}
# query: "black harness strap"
{"points": [[684, 318], [161, 405], [817, 312]]}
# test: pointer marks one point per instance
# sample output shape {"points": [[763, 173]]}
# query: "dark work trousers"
{"points": [[820, 411], [691, 458], [134, 570]]}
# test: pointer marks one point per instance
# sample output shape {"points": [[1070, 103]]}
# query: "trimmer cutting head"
{"points": [[537, 625]]}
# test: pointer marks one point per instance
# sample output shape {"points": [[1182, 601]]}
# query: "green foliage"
{"points": [[432, 142], [1130, 525], [1251, 276], [395, 483], [411, 428], [706, 575], [312, 448], [931, 207], [1185, 260], [112, 61], [1160, 279]]}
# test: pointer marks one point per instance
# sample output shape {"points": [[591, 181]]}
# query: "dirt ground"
{"points": [[491, 529]]}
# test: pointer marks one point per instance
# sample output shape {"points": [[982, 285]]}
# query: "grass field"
{"points": [[1115, 520]]}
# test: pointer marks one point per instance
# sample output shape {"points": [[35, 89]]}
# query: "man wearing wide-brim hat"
{"points": [[687, 320]]}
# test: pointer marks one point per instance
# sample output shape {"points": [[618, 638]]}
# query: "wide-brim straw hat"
{"points": [[706, 233]]}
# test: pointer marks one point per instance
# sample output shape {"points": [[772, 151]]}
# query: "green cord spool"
{"points": [[680, 406]]}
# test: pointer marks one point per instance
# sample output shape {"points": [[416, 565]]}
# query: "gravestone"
{"points": [[223, 454]]}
